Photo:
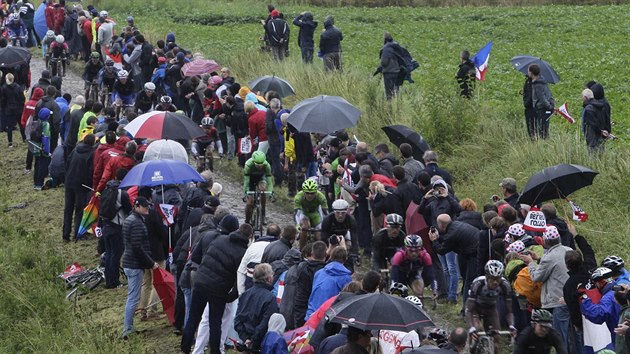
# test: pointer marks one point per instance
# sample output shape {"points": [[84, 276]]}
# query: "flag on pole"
{"points": [[564, 111], [578, 213], [168, 212], [481, 61]]}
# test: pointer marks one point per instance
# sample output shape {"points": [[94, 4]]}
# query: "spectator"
{"points": [[304, 282], [410, 164], [542, 101], [431, 161], [273, 341], [607, 309], [329, 281], [466, 75], [12, 104], [278, 34], [551, 217], [252, 257], [457, 340], [358, 342], [469, 213], [330, 45], [277, 249]]}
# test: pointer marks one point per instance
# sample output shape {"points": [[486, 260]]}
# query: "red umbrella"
{"points": [[415, 224], [164, 285], [200, 67], [164, 125]]}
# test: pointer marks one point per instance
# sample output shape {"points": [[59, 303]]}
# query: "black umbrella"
{"points": [[522, 63], [556, 182], [399, 134], [272, 83], [323, 114], [12, 56], [379, 311]]}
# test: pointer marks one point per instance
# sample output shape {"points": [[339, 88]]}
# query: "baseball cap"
{"points": [[508, 182]]}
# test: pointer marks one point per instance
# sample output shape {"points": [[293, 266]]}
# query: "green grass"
{"points": [[479, 141]]}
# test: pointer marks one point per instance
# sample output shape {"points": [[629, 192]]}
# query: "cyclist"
{"points": [[412, 265], [340, 223], [59, 51], [256, 170], [540, 337], [91, 71], [46, 42], [209, 141], [616, 264], [16, 30], [481, 304], [399, 289], [607, 309], [147, 99], [310, 208], [124, 92], [107, 77], [166, 105], [387, 241]]}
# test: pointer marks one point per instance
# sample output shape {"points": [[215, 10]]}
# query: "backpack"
{"points": [[109, 202], [36, 132]]}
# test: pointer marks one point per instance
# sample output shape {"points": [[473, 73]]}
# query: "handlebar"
{"points": [[492, 333], [252, 192]]}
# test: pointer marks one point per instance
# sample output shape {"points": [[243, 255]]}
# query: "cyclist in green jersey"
{"points": [[256, 170], [310, 208]]}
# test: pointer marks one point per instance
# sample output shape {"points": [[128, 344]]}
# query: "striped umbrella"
{"points": [[200, 67], [90, 216], [164, 125]]}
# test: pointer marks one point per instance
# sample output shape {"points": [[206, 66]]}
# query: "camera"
{"points": [[617, 288], [432, 229], [334, 240], [436, 193]]}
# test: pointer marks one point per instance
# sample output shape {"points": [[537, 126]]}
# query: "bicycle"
{"points": [[85, 281], [258, 215], [308, 235], [92, 93], [485, 343], [56, 66], [206, 161], [106, 97]]}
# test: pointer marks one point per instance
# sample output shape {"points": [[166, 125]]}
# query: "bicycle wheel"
{"points": [[257, 219]]}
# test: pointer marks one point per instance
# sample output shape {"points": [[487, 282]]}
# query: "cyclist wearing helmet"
{"points": [[481, 305], [387, 241], [340, 223], [412, 265], [310, 206], [124, 92], [16, 30], [166, 105], [256, 175], [616, 264], [46, 42], [58, 51], [107, 76], [205, 145], [540, 337], [91, 71], [399, 289], [147, 99], [607, 309]]}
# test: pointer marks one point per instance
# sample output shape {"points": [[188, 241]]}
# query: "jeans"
{"points": [[187, 301], [541, 123], [134, 277], [216, 306], [41, 170], [112, 235], [578, 341], [560, 323], [449, 262]]}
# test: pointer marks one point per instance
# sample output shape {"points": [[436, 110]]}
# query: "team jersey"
{"points": [[310, 206]]}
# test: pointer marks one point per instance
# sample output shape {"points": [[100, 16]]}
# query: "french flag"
{"points": [[481, 61]]}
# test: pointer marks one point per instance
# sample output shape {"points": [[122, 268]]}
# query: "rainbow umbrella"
{"points": [[90, 215]]}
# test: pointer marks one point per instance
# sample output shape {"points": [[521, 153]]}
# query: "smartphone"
{"points": [[432, 229]]}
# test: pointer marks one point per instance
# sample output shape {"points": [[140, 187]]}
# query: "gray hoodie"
{"points": [[552, 272], [542, 98]]}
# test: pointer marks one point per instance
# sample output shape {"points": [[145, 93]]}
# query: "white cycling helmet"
{"points": [[494, 268], [60, 39], [414, 300], [103, 14], [123, 74], [207, 121], [14, 17], [340, 205], [149, 86], [50, 34], [166, 99]]}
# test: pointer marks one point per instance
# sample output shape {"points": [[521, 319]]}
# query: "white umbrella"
{"points": [[165, 149]]}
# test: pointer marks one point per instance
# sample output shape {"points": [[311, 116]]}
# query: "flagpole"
{"points": [[170, 249]]}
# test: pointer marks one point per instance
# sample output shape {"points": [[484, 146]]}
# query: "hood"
{"points": [[83, 148], [251, 97], [599, 103], [511, 266], [228, 224], [277, 323], [57, 81], [336, 269], [170, 37], [391, 158], [61, 100], [292, 257], [238, 238], [598, 91], [38, 93], [121, 142], [541, 81], [329, 22]]}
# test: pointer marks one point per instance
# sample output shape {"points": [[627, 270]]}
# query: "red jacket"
{"points": [[87, 30], [105, 156], [29, 107], [99, 150], [256, 124], [50, 16], [116, 163], [59, 18], [383, 179]]}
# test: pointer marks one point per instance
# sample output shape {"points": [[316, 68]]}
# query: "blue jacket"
{"points": [[273, 343], [327, 283], [255, 307], [607, 310], [64, 109], [624, 278]]}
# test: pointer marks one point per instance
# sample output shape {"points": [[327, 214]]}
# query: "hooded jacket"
{"points": [[101, 160], [552, 272], [330, 39], [594, 121], [291, 258], [606, 311], [29, 107], [542, 99], [49, 102], [307, 29], [256, 124], [273, 341], [255, 307], [390, 59], [121, 161], [459, 237], [79, 170], [327, 283], [216, 275], [306, 274]]}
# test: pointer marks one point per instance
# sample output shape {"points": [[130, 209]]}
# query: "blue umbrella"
{"points": [[160, 172]]}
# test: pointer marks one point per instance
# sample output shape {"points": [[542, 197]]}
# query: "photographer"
{"points": [[622, 342]]}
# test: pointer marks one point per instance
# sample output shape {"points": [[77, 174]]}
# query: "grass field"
{"points": [[479, 141]]}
